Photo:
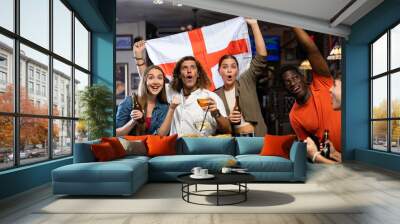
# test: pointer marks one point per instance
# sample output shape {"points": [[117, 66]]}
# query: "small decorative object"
{"points": [[231, 163], [196, 170], [124, 42], [226, 170], [121, 81]]}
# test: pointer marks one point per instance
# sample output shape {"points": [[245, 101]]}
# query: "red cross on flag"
{"points": [[207, 44]]}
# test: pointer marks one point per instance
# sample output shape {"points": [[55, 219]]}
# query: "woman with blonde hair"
{"points": [[155, 115]]}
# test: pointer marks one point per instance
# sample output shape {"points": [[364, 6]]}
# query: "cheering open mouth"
{"points": [[296, 89], [155, 88]]}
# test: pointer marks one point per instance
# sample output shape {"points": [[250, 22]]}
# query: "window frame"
{"points": [[388, 74], [16, 114]]}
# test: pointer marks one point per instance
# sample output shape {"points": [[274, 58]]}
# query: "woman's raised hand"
{"points": [[250, 21], [138, 48]]}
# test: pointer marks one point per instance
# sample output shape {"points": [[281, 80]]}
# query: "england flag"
{"points": [[207, 44]]}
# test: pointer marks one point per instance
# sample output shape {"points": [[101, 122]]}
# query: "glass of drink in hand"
{"points": [[203, 102]]}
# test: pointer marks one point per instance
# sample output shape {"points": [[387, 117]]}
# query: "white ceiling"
{"points": [[167, 15], [319, 9], [316, 15]]}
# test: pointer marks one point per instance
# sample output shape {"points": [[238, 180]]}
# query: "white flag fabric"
{"points": [[207, 44]]}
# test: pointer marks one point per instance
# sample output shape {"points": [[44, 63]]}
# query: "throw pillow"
{"points": [[136, 137], [221, 136], [136, 147], [116, 145], [103, 151], [161, 145], [275, 145]]}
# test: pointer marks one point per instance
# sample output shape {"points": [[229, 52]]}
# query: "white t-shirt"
{"points": [[188, 115]]}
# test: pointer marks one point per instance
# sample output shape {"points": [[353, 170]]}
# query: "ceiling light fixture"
{"points": [[158, 2], [177, 3], [336, 53], [305, 65]]}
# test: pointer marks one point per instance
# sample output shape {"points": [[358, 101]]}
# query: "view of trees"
{"points": [[380, 127], [33, 131]]}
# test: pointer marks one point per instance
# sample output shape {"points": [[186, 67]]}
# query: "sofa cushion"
{"points": [[257, 163], [161, 145], [103, 152], [83, 153], [249, 145], [95, 172], [204, 145], [185, 163], [116, 145], [128, 159], [136, 137], [136, 147], [277, 145]]}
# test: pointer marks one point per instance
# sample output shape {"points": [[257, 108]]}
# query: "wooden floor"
{"points": [[377, 188]]}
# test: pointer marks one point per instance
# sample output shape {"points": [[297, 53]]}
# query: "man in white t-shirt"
{"points": [[191, 83]]}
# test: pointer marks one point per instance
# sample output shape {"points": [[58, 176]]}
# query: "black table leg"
{"points": [[245, 193], [217, 194]]}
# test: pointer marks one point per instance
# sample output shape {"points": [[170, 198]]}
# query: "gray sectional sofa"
{"points": [[125, 176]]}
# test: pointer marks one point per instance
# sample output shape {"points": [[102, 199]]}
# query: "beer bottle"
{"points": [[326, 150], [136, 106], [237, 108]]}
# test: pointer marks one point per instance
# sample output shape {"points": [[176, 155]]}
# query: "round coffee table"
{"points": [[238, 179]]}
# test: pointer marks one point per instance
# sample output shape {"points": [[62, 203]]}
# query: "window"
{"points": [[38, 89], [3, 72], [62, 29], [30, 73], [30, 87], [7, 89], [81, 81], [34, 21], [6, 143], [43, 77], [45, 117], [3, 61], [7, 14], [385, 95], [43, 90], [62, 75], [37, 74], [81, 45], [62, 130], [3, 78]]}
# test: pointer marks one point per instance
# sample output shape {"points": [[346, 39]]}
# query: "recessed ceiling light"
{"points": [[158, 2], [179, 4]]}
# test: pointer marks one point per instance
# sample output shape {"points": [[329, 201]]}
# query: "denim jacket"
{"points": [[157, 116]]}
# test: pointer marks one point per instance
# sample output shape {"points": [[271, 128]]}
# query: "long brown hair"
{"points": [[228, 56], [202, 82], [144, 93]]}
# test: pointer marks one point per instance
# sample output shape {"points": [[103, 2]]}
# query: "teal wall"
{"points": [[99, 16], [24, 178], [356, 86]]}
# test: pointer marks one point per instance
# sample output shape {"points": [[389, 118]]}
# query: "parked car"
{"points": [[22, 155]]}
